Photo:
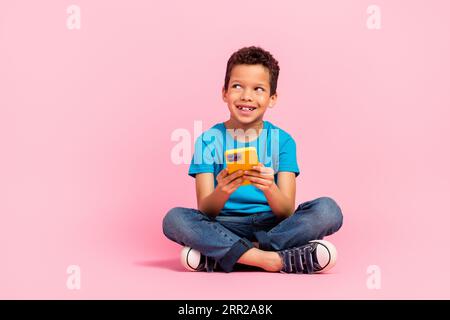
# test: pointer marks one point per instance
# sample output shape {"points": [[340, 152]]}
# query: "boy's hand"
{"points": [[261, 177], [228, 183]]}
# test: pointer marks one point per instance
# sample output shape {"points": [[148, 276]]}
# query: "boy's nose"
{"points": [[246, 96]]}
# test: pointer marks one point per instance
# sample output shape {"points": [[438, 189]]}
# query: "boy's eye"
{"points": [[235, 85], [259, 89]]}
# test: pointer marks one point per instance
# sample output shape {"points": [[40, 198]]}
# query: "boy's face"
{"points": [[249, 87]]}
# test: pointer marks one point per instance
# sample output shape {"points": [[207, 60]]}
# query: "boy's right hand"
{"points": [[228, 183]]}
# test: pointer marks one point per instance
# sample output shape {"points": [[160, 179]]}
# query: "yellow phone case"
{"points": [[241, 159]]}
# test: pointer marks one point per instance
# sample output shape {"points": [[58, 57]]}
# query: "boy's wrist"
{"points": [[273, 188], [222, 194]]}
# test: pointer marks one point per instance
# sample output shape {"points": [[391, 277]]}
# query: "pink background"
{"points": [[86, 118]]}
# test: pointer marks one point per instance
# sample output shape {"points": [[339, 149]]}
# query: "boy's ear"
{"points": [[273, 100], [223, 94]]}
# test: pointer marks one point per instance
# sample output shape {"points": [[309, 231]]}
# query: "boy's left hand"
{"points": [[260, 176]]}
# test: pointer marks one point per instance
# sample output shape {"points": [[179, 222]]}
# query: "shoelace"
{"points": [[299, 260]]}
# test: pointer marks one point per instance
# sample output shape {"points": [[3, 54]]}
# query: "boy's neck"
{"points": [[232, 124], [247, 136]]}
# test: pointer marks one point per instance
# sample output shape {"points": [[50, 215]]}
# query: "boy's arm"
{"points": [[211, 200], [281, 197]]}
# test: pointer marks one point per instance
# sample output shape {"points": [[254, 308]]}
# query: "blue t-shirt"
{"points": [[275, 147]]}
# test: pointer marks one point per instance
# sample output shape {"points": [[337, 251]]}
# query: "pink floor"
{"points": [[110, 274]]}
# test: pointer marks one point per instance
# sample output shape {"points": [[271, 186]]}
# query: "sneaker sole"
{"points": [[190, 258], [326, 254]]}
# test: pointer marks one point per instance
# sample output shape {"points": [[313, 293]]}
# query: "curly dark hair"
{"points": [[254, 55]]}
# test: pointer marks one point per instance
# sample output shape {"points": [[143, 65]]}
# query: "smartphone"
{"points": [[241, 159]]}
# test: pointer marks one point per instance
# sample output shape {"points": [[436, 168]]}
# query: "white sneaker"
{"points": [[193, 260]]}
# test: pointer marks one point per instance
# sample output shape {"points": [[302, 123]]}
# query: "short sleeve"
{"points": [[288, 157], [204, 156]]}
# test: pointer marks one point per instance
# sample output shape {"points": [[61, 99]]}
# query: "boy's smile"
{"points": [[248, 95]]}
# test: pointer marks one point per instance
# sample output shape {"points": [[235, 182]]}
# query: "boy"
{"points": [[254, 224]]}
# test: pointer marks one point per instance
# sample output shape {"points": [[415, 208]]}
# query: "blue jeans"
{"points": [[226, 238]]}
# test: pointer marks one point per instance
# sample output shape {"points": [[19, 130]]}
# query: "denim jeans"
{"points": [[226, 238]]}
